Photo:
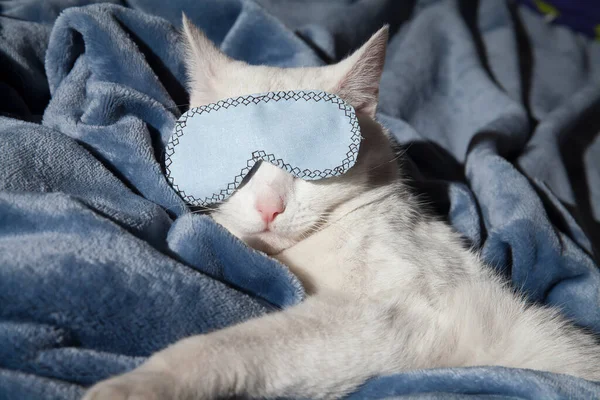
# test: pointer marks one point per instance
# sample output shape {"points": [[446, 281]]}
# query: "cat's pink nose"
{"points": [[269, 206]]}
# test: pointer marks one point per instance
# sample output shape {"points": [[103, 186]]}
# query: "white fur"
{"points": [[391, 289]]}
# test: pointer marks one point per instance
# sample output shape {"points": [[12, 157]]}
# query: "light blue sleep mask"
{"points": [[310, 134]]}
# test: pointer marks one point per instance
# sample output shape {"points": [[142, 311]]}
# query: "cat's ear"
{"points": [[361, 72], [203, 61]]}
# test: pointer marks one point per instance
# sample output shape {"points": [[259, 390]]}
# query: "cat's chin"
{"points": [[269, 242]]}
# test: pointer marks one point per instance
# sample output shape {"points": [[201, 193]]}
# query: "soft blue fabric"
{"points": [[497, 112], [309, 133]]}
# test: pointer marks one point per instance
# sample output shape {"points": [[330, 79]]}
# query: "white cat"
{"points": [[391, 289]]}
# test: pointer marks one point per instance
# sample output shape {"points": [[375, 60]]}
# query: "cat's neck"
{"points": [[378, 243], [334, 257]]}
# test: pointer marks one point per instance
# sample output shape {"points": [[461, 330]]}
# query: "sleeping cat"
{"points": [[390, 288]]}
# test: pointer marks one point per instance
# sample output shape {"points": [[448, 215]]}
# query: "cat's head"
{"points": [[273, 210]]}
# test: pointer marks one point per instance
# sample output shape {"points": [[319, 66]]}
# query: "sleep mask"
{"points": [[310, 134]]}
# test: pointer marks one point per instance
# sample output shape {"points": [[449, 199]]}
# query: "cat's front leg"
{"points": [[323, 348], [200, 367], [138, 384]]}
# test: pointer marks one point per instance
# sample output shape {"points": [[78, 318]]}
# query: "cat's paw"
{"points": [[136, 385]]}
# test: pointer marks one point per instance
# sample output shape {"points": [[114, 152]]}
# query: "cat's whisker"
{"points": [[173, 207], [399, 155], [206, 209], [319, 225], [175, 106], [338, 225], [190, 211]]}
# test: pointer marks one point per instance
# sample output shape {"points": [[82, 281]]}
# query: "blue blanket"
{"points": [[101, 265]]}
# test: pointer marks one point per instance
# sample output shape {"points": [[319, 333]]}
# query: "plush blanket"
{"points": [[100, 262]]}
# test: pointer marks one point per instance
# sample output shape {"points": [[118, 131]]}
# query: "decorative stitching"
{"points": [[260, 155]]}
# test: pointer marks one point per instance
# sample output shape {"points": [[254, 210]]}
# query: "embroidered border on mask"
{"points": [[260, 155]]}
